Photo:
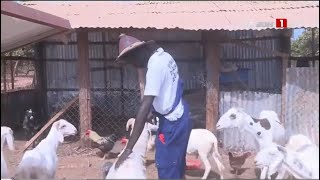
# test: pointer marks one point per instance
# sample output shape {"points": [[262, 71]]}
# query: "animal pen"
{"points": [[221, 69]]}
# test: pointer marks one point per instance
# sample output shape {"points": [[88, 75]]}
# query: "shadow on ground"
{"points": [[200, 172]]}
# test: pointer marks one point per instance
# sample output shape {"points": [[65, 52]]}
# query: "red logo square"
{"points": [[281, 23]]}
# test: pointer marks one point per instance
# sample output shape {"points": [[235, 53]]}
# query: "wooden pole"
{"points": [[84, 82], [285, 45], [40, 79], [142, 80], [212, 57], [52, 120]]}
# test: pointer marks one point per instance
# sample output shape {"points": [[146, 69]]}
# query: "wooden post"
{"points": [[41, 80], [285, 48], [142, 80], [84, 82], [212, 57]]}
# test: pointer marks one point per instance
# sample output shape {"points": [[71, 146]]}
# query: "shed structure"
{"points": [[203, 37]]}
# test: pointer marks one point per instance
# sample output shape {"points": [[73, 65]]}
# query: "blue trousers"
{"points": [[171, 156]]}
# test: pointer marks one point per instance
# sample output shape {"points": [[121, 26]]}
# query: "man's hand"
{"points": [[123, 157]]}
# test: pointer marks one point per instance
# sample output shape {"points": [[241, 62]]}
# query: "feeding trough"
{"points": [[193, 164]]}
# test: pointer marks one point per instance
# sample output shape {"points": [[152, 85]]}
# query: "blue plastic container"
{"points": [[229, 77]]}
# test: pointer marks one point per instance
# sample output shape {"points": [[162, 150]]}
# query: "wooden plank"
{"points": [[52, 120], [84, 83], [212, 56], [142, 80]]}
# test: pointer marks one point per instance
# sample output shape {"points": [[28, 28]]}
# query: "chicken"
{"points": [[104, 144], [238, 161]]}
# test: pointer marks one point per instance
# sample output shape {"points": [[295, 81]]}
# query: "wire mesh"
{"points": [[111, 108]]}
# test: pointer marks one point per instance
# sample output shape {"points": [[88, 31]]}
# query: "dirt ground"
{"points": [[84, 164]]}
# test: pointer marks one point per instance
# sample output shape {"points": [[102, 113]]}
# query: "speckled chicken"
{"points": [[104, 144], [236, 162]]}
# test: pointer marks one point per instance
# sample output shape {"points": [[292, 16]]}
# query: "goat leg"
{"points": [[220, 166], [207, 165], [264, 173], [281, 173]]}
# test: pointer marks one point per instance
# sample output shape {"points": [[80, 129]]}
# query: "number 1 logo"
{"points": [[281, 23]]}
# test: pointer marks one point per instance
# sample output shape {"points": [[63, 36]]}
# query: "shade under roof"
{"points": [[21, 25]]}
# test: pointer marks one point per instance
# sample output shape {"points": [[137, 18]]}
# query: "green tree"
{"points": [[27, 51], [303, 45]]}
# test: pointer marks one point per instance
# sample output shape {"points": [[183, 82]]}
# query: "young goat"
{"points": [[302, 163], [6, 137], [30, 125], [41, 162], [133, 167], [208, 145]]}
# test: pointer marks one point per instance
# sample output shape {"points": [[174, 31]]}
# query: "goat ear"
{"points": [[57, 124], [60, 137], [265, 124]]}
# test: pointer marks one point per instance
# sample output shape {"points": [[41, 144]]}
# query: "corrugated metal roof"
{"points": [[192, 15]]}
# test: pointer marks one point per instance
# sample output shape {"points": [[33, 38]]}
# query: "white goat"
{"points": [[6, 137], [204, 142], [41, 162], [237, 118], [302, 163], [277, 129], [204, 147], [268, 123], [133, 167], [265, 137]]}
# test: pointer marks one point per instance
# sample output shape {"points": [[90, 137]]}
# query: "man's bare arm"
{"points": [[140, 120]]}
